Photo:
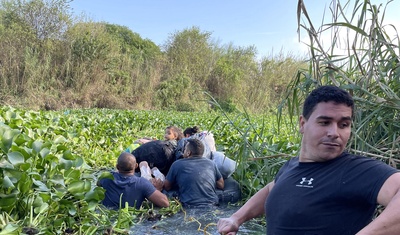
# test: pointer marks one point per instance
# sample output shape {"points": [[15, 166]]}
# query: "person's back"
{"points": [[195, 176], [126, 188], [196, 179], [158, 153]]}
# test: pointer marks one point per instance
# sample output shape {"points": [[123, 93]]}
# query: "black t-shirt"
{"points": [[325, 198]]}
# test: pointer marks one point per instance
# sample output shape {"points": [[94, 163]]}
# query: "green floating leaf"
{"points": [[96, 194], [92, 205], [68, 155], [79, 187], [65, 164], [24, 184], [58, 179], [37, 146], [5, 164], [8, 138], [9, 115], [60, 139], [72, 175], [106, 175], [72, 210], [43, 153], [25, 151], [41, 186], [24, 166], [40, 209], [7, 201], [61, 148], [7, 182], [15, 158], [10, 229], [14, 174], [44, 197], [21, 139]]}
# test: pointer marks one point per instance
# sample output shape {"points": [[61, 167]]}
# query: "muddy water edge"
{"points": [[197, 221]]}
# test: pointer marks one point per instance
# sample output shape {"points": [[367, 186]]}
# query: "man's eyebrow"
{"points": [[330, 118]]}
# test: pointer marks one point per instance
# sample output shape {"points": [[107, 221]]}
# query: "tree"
{"points": [[231, 76], [45, 18], [189, 52]]}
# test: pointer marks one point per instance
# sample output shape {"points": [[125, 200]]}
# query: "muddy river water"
{"points": [[196, 221]]}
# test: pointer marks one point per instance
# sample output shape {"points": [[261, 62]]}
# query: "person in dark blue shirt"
{"points": [[127, 188], [325, 190], [195, 176]]}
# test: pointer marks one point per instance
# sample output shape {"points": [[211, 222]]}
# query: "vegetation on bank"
{"points": [[52, 60]]}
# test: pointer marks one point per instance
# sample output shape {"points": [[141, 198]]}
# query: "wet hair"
{"points": [[326, 94], [126, 162], [195, 146], [191, 131], [177, 131]]}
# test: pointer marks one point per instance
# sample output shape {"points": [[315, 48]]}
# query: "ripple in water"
{"points": [[196, 221]]}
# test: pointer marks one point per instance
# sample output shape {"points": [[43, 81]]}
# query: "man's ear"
{"points": [[136, 165], [117, 167], [302, 121]]}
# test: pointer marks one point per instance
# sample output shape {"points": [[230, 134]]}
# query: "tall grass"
{"points": [[362, 58]]}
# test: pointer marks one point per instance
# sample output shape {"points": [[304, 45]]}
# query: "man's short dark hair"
{"points": [[126, 162], [195, 146], [326, 94]]}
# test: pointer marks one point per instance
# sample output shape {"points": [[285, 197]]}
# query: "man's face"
{"points": [[326, 132]]}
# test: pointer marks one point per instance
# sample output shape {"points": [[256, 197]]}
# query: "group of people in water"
{"points": [[324, 190], [156, 167]]}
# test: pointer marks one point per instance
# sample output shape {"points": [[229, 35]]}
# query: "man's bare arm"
{"points": [[159, 199], [387, 222], [253, 208]]}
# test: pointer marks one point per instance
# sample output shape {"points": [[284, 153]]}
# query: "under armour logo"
{"points": [[305, 180]]}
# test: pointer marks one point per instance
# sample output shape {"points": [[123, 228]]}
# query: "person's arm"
{"points": [[220, 183], [253, 208], [167, 185], [387, 222], [159, 199], [157, 183]]}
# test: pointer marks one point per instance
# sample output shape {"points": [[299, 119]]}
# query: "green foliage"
{"points": [[90, 42], [369, 70], [75, 63], [46, 19], [189, 51], [40, 177], [132, 43], [171, 91]]}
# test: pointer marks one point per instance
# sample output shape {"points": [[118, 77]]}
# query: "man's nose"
{"points": [[333, 131]]}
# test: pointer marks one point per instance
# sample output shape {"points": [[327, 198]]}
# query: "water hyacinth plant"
{"points": [[51, 160]]}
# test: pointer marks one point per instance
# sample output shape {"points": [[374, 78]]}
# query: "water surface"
{"points": [[196, 221]]}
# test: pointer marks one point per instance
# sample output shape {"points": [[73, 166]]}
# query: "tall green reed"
{"points": [[362, 56]]}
